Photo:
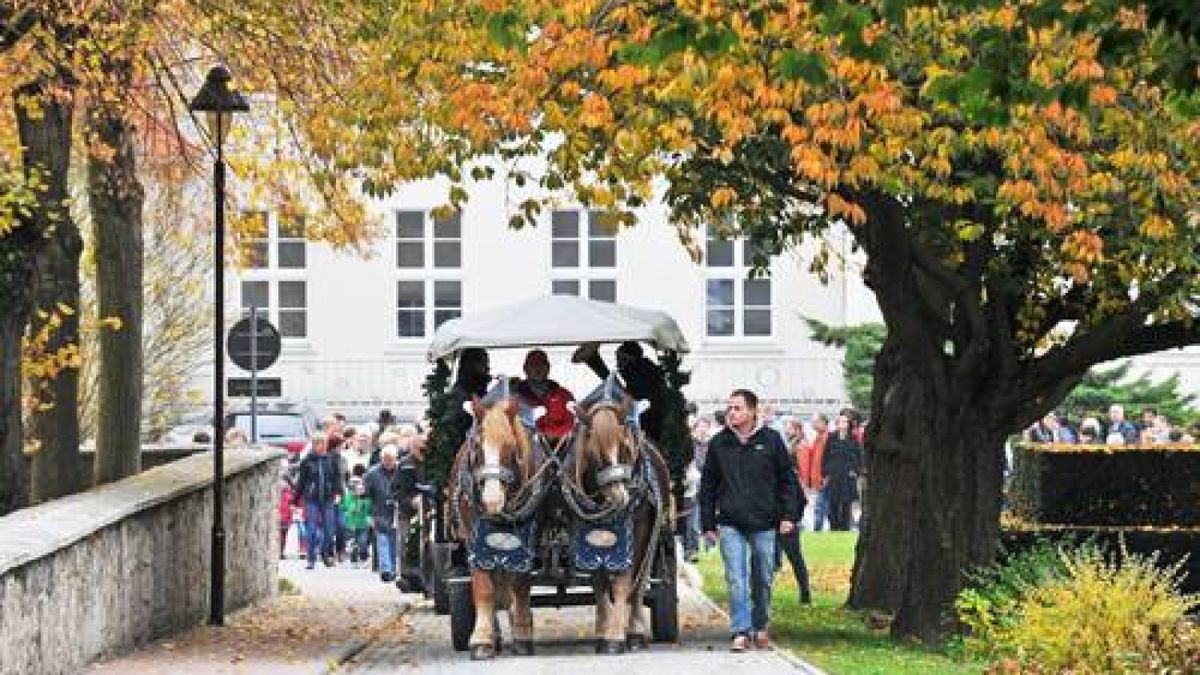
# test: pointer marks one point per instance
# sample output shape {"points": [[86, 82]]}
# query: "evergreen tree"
{"points": [[862, 343], [1102, 387]]}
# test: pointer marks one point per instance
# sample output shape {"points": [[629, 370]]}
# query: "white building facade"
{"points": [[355, 329]]}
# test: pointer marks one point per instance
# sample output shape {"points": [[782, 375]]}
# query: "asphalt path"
{"points": [[564, 645]]}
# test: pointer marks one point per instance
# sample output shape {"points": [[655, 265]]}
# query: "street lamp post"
{"points": [[219, 102]]}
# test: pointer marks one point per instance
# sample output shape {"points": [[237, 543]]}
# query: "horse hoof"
{"points": [[522, 648], [637, 641], [610, 646], [482, 652]]}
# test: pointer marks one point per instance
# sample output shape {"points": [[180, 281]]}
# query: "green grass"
{"points": [[830, 637]]}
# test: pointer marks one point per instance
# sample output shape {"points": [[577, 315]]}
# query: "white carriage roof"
{"points": [[556, 320]]}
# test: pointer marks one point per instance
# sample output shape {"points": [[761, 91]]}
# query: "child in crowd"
{"points": [[356, 511], [285, 510]]}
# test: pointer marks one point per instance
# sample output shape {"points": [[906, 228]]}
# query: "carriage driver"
{"points": [[537, 389]]}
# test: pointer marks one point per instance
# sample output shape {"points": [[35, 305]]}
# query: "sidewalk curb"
{"points": [[796, 662], [334, 664]]}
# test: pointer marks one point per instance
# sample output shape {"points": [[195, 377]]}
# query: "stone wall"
{"points": [[153, 454], [104, 571]]}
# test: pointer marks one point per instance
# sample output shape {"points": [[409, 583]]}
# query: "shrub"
{"points": [[1089, 612]]}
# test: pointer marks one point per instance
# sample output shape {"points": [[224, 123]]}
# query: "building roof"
{"points": [[556, 320]]}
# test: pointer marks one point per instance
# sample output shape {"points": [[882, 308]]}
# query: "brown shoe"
{"points": [[762, 640], [740, 643]]}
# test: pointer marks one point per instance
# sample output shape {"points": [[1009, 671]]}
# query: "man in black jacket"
{"points": [[748, 492], [319, 488]]}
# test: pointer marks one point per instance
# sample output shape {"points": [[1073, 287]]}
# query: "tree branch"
{"points": [[891, 256], [14, 25]]}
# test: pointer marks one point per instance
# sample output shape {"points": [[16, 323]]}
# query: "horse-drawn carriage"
{"points": [[522, 520]]}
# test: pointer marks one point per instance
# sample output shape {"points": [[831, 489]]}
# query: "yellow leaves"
{"points": [[722, 197], [837, 207], [1157, 227], [625, 77], [596, 112], [1085, 70], [1102, 96], [1082, 248]]}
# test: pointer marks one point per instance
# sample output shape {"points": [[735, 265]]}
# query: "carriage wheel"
{"points": [[462, 611], [664, 606], [435, 562]]}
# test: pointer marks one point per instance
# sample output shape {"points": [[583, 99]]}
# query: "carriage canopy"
{"points": [[556, 320]]}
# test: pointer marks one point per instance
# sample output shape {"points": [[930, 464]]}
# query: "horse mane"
{"points": [[604, 430], [499, 427]]}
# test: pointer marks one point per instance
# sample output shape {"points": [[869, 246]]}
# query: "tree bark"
{"points": [[14, 480], [115, 194], [57, 464], [933, 510], [45, 136]]}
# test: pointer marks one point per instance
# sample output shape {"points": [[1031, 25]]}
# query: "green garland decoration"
{"points": [[441, 445], [677, 437]]}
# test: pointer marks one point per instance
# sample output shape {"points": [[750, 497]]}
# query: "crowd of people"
{"points": [[1151, 429], [351, 497]]}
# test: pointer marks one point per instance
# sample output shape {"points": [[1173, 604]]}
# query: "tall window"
{"points": [[290, 246], [256, 249], [293, 309], [735, 304], [289, 311], [429, 266], [274, 281], [583, 255]]}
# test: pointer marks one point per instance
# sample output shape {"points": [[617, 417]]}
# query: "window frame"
{"points": [[737, 272], [274, 276], [429, 275], [584, 274]]}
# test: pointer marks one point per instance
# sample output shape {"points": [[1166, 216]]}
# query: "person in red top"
{"points": [[285, 510], [809, 458], [537, 389]]}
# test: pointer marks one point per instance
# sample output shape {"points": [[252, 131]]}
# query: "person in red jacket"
{"points": [[537, 389], [285, 511], [811, 454]]}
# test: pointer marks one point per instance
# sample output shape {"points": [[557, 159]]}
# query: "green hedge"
{"points": [[1156, 486]]}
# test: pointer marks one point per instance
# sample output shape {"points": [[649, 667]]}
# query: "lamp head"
{"points": [[219, 102]]}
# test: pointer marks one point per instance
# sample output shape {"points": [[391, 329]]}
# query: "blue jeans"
{"points": [[320, 523], [691, 526], [748, 611], [361, 544], [385, 544], [820, 511]]}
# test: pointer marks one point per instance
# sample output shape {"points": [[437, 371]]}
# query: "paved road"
{"points": [[345, 620], [564, 645]]}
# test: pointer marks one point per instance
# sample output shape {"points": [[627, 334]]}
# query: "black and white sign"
{"points": [[268, 387], [265, 348]]}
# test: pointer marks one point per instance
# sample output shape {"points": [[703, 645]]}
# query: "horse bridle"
{"points": [[483, 471]]}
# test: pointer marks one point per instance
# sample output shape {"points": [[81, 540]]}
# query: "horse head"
{"points": [[607, 454], [500, 452]]}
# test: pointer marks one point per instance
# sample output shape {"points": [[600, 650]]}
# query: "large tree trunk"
{"points": [[56, 465], [13, 479], [939, 419], [934, 504], [116, 197], [45, 136]]}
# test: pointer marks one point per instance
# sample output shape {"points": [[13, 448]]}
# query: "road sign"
{"points": [[266, 346], [268, 387]]}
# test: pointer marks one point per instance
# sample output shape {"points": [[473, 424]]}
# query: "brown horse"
{"points": [[614, 469], [491, 468]]}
